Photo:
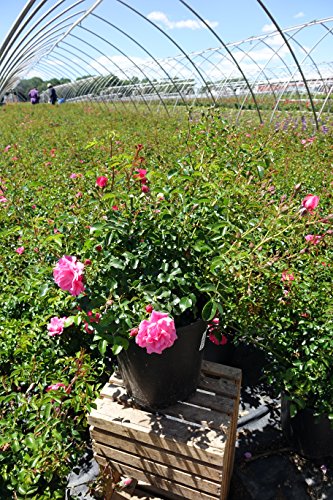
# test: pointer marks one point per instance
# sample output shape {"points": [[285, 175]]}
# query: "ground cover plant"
{"points": [[231, 206]]}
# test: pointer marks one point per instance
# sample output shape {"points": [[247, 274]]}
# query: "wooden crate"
{"points": [[184, 451]]}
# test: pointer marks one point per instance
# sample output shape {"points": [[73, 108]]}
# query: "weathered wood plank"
{"points": [[159, 428], [228, 459], [134, 447], [221, 386], [223, 371], [218, 403], [173, 474]]}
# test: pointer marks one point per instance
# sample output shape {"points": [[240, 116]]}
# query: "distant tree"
{"points": [[84, 77]]}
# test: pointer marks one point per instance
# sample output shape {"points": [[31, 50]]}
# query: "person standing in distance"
{"points": [[34, 96], [52, 94]]}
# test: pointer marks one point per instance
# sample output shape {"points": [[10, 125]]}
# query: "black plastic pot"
{"points": [[309, 435], [219, 353], [156, 381]]}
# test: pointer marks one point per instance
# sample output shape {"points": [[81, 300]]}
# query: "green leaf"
{"points": [[185, 303], [102, 345], [261, 172], [43, 290], [116, 349], [117, 263], [122, 341], [207, 287], [57, 238], [209, 310], [97, 227], [31, 442], [69, 321]]}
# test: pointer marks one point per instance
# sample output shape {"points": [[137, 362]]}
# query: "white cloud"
{"points": [[268, 27], [298, 15], [193, 24]]}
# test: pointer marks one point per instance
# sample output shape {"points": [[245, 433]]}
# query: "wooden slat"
{"points": [[163, 484], [163, 471], [199, 398], [216, 402], [185, 463], [194, 441], [228, 459], [220, 386], [222, 371], [202, 416]]}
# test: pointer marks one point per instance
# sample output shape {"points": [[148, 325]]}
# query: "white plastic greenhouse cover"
{"points": [[72, 39]]}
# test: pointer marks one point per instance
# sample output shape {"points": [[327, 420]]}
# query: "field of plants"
{"points": [[191, 214]]}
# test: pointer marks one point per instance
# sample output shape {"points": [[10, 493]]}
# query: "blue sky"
{"points": [[232, 20]]}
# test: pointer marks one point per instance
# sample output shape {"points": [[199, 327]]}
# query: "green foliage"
{"points": [[214, 234]]}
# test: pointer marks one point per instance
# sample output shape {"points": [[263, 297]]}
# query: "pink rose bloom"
{"points": [[314, 239], [141, 174], [224, 340], [287, 277], [55, 387], [134, 332], [56, 326], [3, 199], [310, 202], [157, 333], [101, 181], [213, 338], [145, 188], [68, 274], [216, 341], [20, 250], [73, 176], [7, 148]]}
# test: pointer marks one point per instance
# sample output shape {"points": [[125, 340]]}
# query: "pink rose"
{"points": [[55, 387], [310, 202], [3, 199], [145, 188], [312, 238], [224, 340], [7, 148], [213, 338], [157, 333], [68, 274], [216, 341], [56, 326], [141, 174], [73, 176], [20, 250], [101, 181], [134, 332], [287, 277]]}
